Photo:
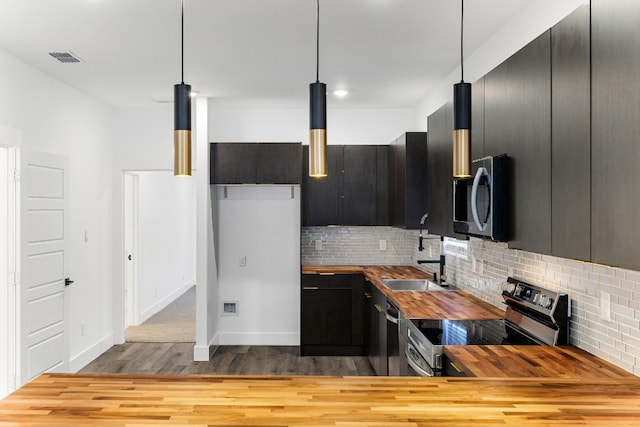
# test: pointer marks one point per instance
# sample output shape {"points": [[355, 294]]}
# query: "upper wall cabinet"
{"points": [[571, 137], [408, 179], [615, 60], [517, 113], [355, 192], [440, 172], [253, 163]]}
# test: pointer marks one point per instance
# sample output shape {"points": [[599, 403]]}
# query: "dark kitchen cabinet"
{"points": [[375, 320], [233, 163], [256, 163], [571, 137], [517, 111], [408, 180], [477, 119], [440, 172], [354, 192], [331, 315]]}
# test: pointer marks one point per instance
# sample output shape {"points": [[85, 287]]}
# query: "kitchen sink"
{"points": [[413, 285]]}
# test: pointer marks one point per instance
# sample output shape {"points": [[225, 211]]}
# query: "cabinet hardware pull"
{"points": [[327, 274], [309, 288], [377, 306], [367, 295], [454, 366]]}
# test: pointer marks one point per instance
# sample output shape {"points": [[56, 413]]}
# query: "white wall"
{"points": [[166, 236], [57, 119], [532, 21], [261, 223], [357, 126]]}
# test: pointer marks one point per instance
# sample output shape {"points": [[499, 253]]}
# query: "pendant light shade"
{"points": [[462, 117], [317, 115], [318, 130], [462, 130], [182, 129], [182, 117]]}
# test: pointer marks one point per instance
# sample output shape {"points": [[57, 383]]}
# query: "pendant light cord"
{"points": [[461, 40], [317, 41], [182, 41]]}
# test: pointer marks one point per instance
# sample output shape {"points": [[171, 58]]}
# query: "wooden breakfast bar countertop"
{"points": [[530, 361], [454, 305], [129, 400]]}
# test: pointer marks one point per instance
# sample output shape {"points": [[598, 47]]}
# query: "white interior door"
{"points": [[43, 264], [131, 305]]}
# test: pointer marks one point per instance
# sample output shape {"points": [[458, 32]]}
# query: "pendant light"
{"points": [[182, 117], [317, 115], [462, 117]]}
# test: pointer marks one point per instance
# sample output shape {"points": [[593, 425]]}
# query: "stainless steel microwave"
{"points": [[481, 203]]}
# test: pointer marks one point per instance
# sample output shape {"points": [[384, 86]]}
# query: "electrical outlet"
{"points": [[480, 267], [318, 245], [243, 261], [383, 245], [605, 306]]}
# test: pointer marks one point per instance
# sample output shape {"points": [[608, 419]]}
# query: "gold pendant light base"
{"points": [[182, 153], [461, 153], [318, 153]]}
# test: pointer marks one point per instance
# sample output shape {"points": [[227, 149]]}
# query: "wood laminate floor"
{"points": [[177, 358]]}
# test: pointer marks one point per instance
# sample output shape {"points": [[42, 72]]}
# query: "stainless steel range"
{"points": [[534, 316]]}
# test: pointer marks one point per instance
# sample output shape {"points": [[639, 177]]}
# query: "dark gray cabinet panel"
{"points": [[477, 119], [331, 314], [440, 172], [615, 116], [279, 163], [354, 192], [255, 163], [517, 112], [408, 179], [321, 197], [571, 137], [233, 163], [375, 304]]}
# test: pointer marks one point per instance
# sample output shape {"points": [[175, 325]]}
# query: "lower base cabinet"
{"points": [[375, 321], [331, 315]]}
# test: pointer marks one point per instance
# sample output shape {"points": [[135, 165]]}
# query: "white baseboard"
{"points": [[90, 354], [158, 306], [202, 353], [259, 338]]}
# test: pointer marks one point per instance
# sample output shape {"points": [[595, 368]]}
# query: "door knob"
{"points": [[129, 257], [67, 281]]}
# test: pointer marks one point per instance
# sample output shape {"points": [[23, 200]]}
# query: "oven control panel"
{"points": [[540, 299]]}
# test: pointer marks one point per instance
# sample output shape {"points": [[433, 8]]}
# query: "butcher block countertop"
{"points": [[129, 400], [454, 305], [531, 361]]}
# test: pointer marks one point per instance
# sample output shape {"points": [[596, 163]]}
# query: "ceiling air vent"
{"points": [[66, 57]]}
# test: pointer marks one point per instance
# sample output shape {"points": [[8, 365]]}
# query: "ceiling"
{"points": [[387, 53]]}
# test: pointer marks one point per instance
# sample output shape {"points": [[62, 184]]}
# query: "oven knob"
{"points": [[537, 299], [549, 303]]}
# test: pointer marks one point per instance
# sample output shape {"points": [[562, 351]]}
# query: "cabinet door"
{"points": [[615, 205], [518, 122], [325, 316], [279, 163], [571, 137], [477, 119], [440, 171], [321, 196], [233, 163], [359, 198], [416, 179]]}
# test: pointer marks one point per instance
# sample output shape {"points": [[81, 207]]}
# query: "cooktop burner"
{"points": [[471, 332]]}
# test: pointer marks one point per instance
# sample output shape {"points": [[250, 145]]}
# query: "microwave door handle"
{"points": [[474, 197]]}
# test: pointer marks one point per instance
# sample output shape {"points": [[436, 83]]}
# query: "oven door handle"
{"points": [[482, 171], [414, 365]]}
